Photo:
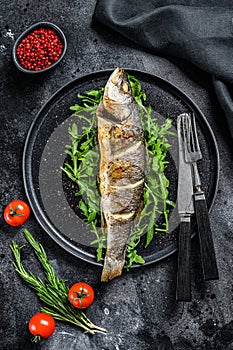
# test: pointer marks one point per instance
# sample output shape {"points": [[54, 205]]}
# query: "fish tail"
{"points": [[116, 249], [111, 269]]}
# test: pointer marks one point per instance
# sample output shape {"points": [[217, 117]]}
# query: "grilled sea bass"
{"points": [[122, 169]]}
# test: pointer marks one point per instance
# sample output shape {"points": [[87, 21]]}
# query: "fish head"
{"points": [[118, 96]]}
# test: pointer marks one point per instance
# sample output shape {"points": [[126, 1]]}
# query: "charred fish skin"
{"points": [[122, 169]]}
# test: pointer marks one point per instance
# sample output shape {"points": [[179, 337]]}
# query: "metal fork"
{"points": [[192, 155]]}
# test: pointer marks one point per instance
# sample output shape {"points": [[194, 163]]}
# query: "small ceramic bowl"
{"points": [[37, 26]]}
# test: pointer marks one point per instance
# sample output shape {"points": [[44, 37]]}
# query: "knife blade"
{"points": [[185, 210]]}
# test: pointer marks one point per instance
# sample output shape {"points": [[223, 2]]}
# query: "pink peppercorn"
{"points": [[39, 49]]}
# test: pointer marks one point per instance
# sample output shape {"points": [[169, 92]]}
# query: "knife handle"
{"points": [[183, 289], [208, 258]]}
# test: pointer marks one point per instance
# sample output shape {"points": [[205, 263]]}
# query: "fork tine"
{"points": [[192, 135], [186, 132], [194, 128]]}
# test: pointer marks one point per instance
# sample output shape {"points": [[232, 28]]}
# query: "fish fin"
{"points": [[100, 110], [103, 222], [138, 213]]}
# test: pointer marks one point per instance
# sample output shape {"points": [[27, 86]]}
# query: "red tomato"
{"points": [[16, 212], [41, 325], [81, 295]]}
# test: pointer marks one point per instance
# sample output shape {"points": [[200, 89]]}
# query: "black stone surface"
{"points": [[139, 309]]}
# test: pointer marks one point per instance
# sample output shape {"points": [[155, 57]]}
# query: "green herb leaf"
{"points": [[84, 157], [53, 291]]}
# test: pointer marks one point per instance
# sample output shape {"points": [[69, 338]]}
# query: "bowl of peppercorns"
{"points": [[39, 48]]}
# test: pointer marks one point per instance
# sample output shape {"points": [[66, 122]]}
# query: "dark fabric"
{"points": [[225, 96], [200, 32]]}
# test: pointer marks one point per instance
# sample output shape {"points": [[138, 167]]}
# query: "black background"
{"points": [[139, 309]]}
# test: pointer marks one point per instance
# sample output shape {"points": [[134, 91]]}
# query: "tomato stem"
{"points": [[13, 212], [36, 339], [80, 296]]}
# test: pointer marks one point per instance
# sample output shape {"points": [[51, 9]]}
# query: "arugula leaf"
{"points": [[83, 157], [90, 101]]}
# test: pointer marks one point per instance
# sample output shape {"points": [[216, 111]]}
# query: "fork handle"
{"points": [[208, 258], [183, 288]]}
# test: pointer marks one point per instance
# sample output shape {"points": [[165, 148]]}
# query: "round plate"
{"points": [[44, 156]]}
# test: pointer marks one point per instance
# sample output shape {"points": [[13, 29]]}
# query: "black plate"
{"points": [[44, 155]]}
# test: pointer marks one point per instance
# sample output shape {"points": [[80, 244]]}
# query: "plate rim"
{"points": [[59, 239]]}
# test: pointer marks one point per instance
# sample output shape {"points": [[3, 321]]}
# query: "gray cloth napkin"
{"points": [[200, 31]]}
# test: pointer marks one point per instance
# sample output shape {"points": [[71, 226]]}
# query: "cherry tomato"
{"points": [[41, 325], [16, 212], [81, 295]]}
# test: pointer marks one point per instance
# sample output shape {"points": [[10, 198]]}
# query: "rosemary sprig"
{"points": [[53, 291]]}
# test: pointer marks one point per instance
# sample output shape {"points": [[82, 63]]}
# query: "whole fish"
{"points": [[122, 169]]}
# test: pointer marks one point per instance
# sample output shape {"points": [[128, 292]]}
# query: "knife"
{"points": [[185, 210]]}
